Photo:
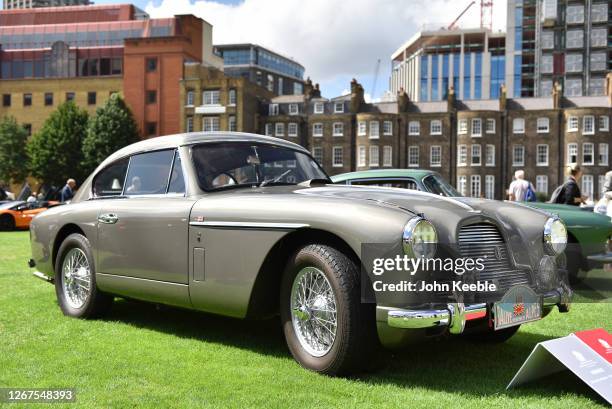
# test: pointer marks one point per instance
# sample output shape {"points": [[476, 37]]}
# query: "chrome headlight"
{"points": [[555, 236], [419, 238]]}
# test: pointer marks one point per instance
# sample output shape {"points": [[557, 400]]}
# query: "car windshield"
{"points": [[235, 164], [436, 185]]}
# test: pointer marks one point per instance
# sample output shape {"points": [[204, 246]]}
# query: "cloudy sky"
{"points": [[335, 40]]}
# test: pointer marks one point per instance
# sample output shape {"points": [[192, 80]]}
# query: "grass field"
{"points": [[141, 356]]}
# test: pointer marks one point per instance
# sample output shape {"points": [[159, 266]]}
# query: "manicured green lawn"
{"points": [[144, 357]]}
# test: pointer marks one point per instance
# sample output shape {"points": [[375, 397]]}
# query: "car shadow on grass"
{"points": [[450, 365]]}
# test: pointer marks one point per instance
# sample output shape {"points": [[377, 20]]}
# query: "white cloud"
{"points": [[334, 39]]}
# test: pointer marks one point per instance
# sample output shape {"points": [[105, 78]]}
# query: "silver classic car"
{"points": [[250, 226]]}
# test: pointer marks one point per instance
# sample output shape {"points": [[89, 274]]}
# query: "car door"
{"points": [[143, 232]]}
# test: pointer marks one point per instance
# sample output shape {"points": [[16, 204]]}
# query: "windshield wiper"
{"points": [[276, 179]]}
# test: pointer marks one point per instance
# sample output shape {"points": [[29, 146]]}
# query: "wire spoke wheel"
{"points": [[76, 278], [313, 311]]}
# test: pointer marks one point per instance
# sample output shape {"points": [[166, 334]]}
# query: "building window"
{"points": [[70, 96], [211, 97], [547, 39], [317, 154], [588, 125], [318, 108], [27, 100], [361, 158], [476, 155], [573, 62], [151, 97], [575, 14], [374, 129], [542, 184], [476, 127], [361, 128], [572, 153], [599, 37], [281, 90], [490, 126], [490, 187], [414, 128], [572, 124], [337, 156], [339, 107], [298, 89], [91, 98], [599, 12], [587, 186], [518, 125], [598, 61], [462, 127], [6, 100], [475, 186], [270, 83], [435, 127], [293, 109], [490, 155], [268, 130], [604, 123], [232, 97], [603, 154], [435, 156], [151, 128], [190, 98], [189, 124], [292, 129], [543, 125], [48, 98], [574, 39], [273, 109], [462, 155], [387, 128], [413, 156], [317, 129], [338, 129], [374, 159], [518, 155], [151, 64], [387, 156], [279, 129], [210, 123], [546, 64], [573, 87], [602, 188], [542, 155], [588, 156], [462, 184]]}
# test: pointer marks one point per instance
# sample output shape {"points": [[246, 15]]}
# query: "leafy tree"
{"points": [[13, 155], [56, 150], [112, 128]]}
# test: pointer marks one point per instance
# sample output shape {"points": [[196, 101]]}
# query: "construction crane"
{"points": [[452, 25], [375, 78]]}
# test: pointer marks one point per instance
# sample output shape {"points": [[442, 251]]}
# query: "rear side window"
{"points": [[148, 173], [400, 183], [109, 182]]}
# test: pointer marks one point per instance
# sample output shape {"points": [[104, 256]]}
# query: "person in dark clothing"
{"points": [[67, 191], [571, 191]]}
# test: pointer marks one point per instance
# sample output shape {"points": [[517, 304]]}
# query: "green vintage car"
{"points": [[588, 232]]}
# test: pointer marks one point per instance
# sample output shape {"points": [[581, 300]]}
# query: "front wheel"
{"points": [[327, 328], [75, 280], [7, 222]]}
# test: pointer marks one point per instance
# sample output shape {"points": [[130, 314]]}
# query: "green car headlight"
{"points": [[419, 238], [555, 236]]}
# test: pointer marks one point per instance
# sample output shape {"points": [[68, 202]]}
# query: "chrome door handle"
{"points": [[108, 218]]}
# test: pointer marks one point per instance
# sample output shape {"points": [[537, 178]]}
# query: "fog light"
{"points": [[547, 273]]}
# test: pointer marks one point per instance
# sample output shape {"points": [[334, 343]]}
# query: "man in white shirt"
{"points": [[518, 188], [604, 206]]}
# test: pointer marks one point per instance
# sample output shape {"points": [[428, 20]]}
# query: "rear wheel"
{"points": [[327, 328], [75, 280], [7, 222]]}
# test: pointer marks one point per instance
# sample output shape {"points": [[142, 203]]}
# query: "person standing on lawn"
{"points": [[67, 191]]}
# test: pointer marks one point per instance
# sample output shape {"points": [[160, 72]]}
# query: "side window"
{"points": [[400, 183], [148, 173], [177, 182], [109, 182]]}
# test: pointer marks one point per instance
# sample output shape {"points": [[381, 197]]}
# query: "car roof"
{"points": [[192, 138], [382, 173]]}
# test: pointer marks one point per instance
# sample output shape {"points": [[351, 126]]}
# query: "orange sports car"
{"points": [[18, 215]]}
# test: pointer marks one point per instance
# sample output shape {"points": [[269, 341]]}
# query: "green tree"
{"points": [[13, 155], [56, 151], [112, 128]]}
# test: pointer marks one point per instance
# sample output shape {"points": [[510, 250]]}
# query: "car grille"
{"points": [[484, 239]]}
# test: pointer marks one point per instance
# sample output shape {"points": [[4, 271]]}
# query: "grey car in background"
{"points": [[250, 226]]}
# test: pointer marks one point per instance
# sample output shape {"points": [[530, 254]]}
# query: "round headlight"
{"points": [[419, 238], [555, 236]]}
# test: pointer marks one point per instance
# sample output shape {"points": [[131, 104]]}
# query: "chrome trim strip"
{"points": [[250, 225], [453, 317], [43, 277]]}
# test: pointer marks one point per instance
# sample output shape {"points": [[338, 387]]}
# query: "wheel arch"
{"points": [[61, 235]]}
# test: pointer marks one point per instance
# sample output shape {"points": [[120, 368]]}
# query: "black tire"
{"points": [[7, 222], [356, 342], [490, 336], [97, 303]]}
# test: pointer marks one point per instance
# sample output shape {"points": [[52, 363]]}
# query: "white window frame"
{"points": [[475, 181], [476, 127], [319, 108], [462, 127], [587, 186], [339, 132], [572, 150], [374, 156], [211, 97], [290, 132], [490, 154], [335, 150], [542, 184], [604, 123], [189, 124], [411, 150], [231, 123], [190, 98], [211, 123], [514, 159], [438, 162], [538, 161], [315, 127], [273, 109], [268, 129], [490, 187], [588, 125], [387, 127], [604, 153], [462, 155], [232, 96], [462, 184], [374, 129], [584, 152], [572, 123], [362, 156], [316, 149], [294, 109], [362, 128], [476, 152], [414, 128], [338, 107], [387, 156], [490, 129], [433, 125], [543, 125], [279, 129], [518, 126]]}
